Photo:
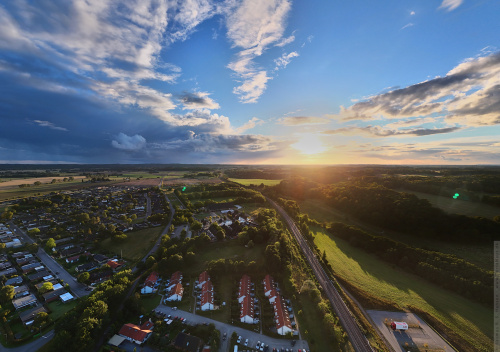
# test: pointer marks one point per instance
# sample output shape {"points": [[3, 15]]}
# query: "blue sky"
{"points": [[257, 81]]}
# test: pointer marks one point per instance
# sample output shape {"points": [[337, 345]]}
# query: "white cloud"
{"points": [[302, 120], [412, 13], [469, 94], [286, 41], [450, 5], [130, 143], [285, 59], [253, 26], [49, 125], [407, 25]]}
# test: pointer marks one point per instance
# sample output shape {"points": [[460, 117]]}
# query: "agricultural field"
{"points": [[458, 206], [254, 181], [470, 320], [481, 255], [8, 192], [137, 244]]}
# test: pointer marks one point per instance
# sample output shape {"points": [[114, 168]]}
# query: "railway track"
{"points": [[358, 340]]}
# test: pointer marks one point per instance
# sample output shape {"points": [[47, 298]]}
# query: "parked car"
{"points": [[224, 336], [246, 342], [239, 339]]}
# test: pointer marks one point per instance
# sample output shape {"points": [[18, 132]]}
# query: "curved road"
{"points": [[358, 340]]}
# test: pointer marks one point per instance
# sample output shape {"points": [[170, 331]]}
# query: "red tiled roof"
{"points": [[247, 307], [113, 265], [268, 283], [203, 277], [207, 297], [134, 332], [207, 286], [244, 286], [151, 280], [177, 290], [280, 314], [147, 325]]}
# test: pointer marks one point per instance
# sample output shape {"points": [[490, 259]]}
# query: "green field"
{"points": [[481, 255], [470, 320], [58, 309], [137, 244], [457, 206], [254, 181]]}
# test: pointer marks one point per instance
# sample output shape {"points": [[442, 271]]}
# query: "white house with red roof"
{"points": [[268, 285], [283, 324], [245, 287], [175, 293], [246, 301], [204, 277], [175, 279], [207, 297], [151, 283], [137, 334]]}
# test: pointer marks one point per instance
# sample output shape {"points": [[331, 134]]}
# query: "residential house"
{"points": [[151, 283], [86, 267], [283, 324], [27, 317], [187, 343], [25, 301], [175, 279], [245, 288], [204, 277], [175, 293], [40, 275], [268, 285], [14, 281], [21, 291], [207, 296], [247, 313], [53, 295], [135, 333]]}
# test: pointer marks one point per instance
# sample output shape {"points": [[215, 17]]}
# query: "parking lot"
{"points": [[253, 337]]}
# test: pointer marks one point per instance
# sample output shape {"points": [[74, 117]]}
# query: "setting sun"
{"points": [[309, 144]]}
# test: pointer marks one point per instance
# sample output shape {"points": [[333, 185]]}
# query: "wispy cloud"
{"points": [[286, 41], [407, 25], [253, 26], [378, 131], [302, 120], [253, 122], [450, 5], [49, 125], [285, 59]]}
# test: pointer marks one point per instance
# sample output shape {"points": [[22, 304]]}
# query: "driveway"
{"points": [[253, 337], [77, 288]]}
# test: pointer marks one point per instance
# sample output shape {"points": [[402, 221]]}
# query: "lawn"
{"points": [[254, 181], [481, 255], [59, 309], [223, 289], [150, 302], [470, 320], [226, 249], [137, 244]]}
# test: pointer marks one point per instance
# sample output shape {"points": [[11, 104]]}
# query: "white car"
{"points": [[239, 339], [257, 345], [246, 342]]}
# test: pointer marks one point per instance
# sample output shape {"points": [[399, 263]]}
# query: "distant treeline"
{"points": [[28, 174], [445, 270], [445, 185], [393, 210], [277, 174]]}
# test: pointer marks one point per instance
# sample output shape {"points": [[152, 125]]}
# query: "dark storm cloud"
{"points": [[381, 132]]}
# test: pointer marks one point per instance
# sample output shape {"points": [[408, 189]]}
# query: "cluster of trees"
{"points": [[204, 195], [80, 329], [269, 227], [175, 253], [394, 210], [445, 270], [254, 173]]}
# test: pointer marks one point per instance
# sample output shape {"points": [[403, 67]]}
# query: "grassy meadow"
{"points": [[470, 320], [137, 244], [254, 181], [481, 255]]}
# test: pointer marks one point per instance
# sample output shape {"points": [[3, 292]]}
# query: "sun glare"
{"points": [[309, 144]]}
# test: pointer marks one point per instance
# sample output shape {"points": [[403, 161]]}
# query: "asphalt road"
{"points": [[253, 337], [32, 346], [358, 340], [77, 288]]}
